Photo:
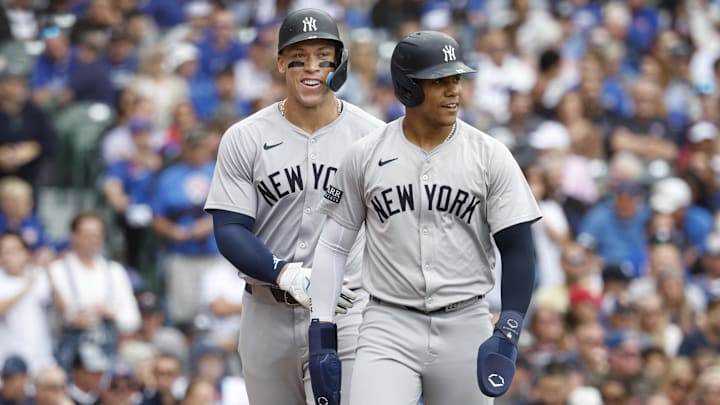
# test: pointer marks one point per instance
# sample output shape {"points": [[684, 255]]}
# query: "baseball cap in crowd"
{"points": [[578, 295], [13, 366], [148, 302], [181, 53], [616, 272], [702, 131], [669, 195], [139, 124], [197, 8], [91, 358], [550, 135]]}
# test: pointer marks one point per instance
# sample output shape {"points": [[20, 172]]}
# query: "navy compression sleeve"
{"points": [[518, 266], [237, 242]]}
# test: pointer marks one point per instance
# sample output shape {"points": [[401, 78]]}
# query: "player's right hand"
{"points": [[325, 366], [295, 279]]}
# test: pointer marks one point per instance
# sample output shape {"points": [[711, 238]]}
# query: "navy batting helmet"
{"points": [[424, 55], [311, 23]]}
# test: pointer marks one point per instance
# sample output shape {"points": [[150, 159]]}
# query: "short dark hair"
{"points": [[82, 216], [13, 234]]}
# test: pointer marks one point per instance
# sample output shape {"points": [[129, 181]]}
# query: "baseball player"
{"points": [[272, 171], [433, 193]]}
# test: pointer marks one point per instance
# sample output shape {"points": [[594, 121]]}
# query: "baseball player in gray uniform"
{"points": [[272, 171], [433, 193]]}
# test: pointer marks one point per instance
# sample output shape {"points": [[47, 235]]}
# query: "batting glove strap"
{"points": [[509, 326], [324, 364]]}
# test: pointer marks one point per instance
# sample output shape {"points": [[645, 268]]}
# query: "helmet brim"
{"points": [[444, 70], [308, 36]]}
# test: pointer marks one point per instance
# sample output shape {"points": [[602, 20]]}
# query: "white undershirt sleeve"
{"points": [[329, 268]]}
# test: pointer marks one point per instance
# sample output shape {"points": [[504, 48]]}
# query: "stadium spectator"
{"points": [[27, 134], [167, 371], [14, 381], [220, 48], [179, 219], [26, 292], [88, 368], [707, 336], [99, 302], [51, 387], [52, 68]]}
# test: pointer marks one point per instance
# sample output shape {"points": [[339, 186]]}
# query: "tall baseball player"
{"points": [[272, 171], [434, 193]]}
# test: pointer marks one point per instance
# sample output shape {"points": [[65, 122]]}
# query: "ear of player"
{"points": [[325, 366], [497, 355]]}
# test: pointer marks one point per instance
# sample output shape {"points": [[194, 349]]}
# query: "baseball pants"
{"points": [[403, 355], [273, 348]]}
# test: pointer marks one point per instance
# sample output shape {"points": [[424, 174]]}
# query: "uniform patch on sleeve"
{"points": [[333, 194]]}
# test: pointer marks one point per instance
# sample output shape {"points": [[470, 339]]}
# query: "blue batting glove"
{"points": [[325, 366], [497, 355]]}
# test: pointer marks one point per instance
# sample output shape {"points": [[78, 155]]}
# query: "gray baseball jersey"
{"points": [[429, 216], [277, 173]]}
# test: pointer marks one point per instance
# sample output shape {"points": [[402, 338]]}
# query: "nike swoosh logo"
{"points": [[384, 162], [268, 147]]}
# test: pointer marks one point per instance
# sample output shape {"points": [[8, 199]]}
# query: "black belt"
{"points": [[447, 308], [280, 296]]}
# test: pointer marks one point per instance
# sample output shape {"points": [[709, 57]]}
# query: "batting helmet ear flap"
{"points": [[337, 78], [407, 90]]}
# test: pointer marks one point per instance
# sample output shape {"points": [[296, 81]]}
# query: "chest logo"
{"points": [[268, 147], [384, 162]]}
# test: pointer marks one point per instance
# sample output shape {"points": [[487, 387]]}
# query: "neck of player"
{"points": [[426, 134], [311, 118]]}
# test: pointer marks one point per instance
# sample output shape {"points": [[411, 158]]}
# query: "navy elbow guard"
{"points": [[497, 355], [325, 366]]}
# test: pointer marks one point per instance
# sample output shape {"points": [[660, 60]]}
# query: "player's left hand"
{"points": [[325, 366], [497, 355], [346, 300]]}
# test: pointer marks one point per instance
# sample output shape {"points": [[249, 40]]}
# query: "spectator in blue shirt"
{"points": [[52, 68], [128, 187], [122, 59], [88, 79], [178, 218], [617, 226], [220, 48]]}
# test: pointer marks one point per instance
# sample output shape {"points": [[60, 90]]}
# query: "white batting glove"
{"points": [[345, 302], [295, 279]]}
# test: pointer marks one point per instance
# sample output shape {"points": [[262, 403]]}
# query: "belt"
{"points": [[280, 296], [447, 308]]}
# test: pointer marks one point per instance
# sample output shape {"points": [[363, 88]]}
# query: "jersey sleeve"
{"points": [[510, 200], [232, 186], [344, 198]]}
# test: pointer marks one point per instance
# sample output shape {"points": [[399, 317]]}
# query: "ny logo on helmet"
{"points": [[449, 53], [309, 24]]}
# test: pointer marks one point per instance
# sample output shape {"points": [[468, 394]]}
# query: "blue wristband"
{"points": [[510, 325]]}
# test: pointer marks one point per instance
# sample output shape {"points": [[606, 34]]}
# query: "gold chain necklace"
{"points": [[452, 132], [281, 107]]}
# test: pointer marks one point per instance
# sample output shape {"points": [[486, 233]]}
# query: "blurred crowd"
{"points": [[612, 109]]}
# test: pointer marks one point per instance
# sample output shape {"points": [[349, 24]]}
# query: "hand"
{"points": [[325, 366], [346, 300], [497, 355], [295, 279]]}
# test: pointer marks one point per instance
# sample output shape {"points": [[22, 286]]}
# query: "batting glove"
{"points": [[295, 279], [324, 364], [497, 355], [345, 302]]}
